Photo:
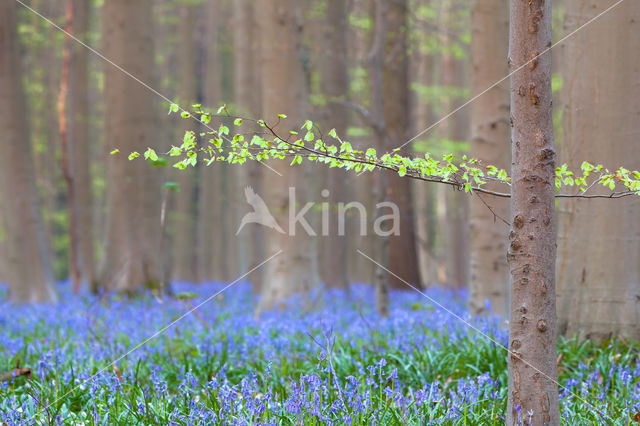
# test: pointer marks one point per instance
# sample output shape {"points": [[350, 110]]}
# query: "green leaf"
{"points": [[114, 152], [185, 114], [150, 154], [171, 186], [133, 155], [173, 108], [282, 116], [237, 122], [402, 170], [205, 118], [222, 108]]}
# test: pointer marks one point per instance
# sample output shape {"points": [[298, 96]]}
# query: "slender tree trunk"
{"points": [[599, 241], [211, 238], [28, 271], [283, 91], [74, 269], [532, 251], [403, 259], [453, 129], [79, 153], [376, 75], [131, 257], [183, 224], [421, 67], [246, 94], [490, 144], [335, 87], [359, 40]]}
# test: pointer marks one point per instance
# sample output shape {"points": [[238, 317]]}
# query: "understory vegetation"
{"points": [[327, 359]]}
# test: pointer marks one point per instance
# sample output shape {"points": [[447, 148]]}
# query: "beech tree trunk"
{"points": [[80, 142], [247, 98], [421, 65], [283, 92], [335, 87], [131, 257], [211, 254], [183, 223], [403, 258], [27, 268], [532, 250], [599, 240], [488, 279]]}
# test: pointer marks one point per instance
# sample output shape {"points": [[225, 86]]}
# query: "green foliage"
{"points": [[468, 174]]}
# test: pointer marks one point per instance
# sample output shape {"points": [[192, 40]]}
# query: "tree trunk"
{"points": [[531, 254], [335, 87], [453, 129], [80, 143], [421, 66], [599, 240], [28, 271], [490, 144], [213, 252], [183, 224], [246, 88], [131, 257], [283, 91], [403, 258]]}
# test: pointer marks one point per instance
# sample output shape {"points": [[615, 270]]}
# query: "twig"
{"points": [[12, 374]]}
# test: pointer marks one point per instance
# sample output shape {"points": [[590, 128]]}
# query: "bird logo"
{"points": [[260, 214]]}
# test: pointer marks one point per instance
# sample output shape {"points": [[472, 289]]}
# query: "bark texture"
{"points": [[283, 91], [488, 280], [532, 249], [28, 271], [131, 257], [599, 242]]}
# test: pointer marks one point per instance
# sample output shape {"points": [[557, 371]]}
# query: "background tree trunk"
{"points": [[79, 143], [403, 258], [283, 91], [599, 240], [183, 224], [211, 258], [335, 88], [28, 272], [247, 98], [131, 257], [532, 250], [490, 144]]}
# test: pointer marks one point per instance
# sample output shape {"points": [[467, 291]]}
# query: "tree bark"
{"points": [[65, 148], [79, 143], [490, 144], [335, 87], [421, 65], [532, 249], [28, 271], [283, 91], [599, 240], [403, 259], [131, 257], [246, 94], [183, 224]]}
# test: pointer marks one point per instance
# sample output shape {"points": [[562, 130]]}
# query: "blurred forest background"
{"points": [[378, 74]]}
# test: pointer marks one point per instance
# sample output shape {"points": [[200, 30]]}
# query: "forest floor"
{"points": [[332, 362]]}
